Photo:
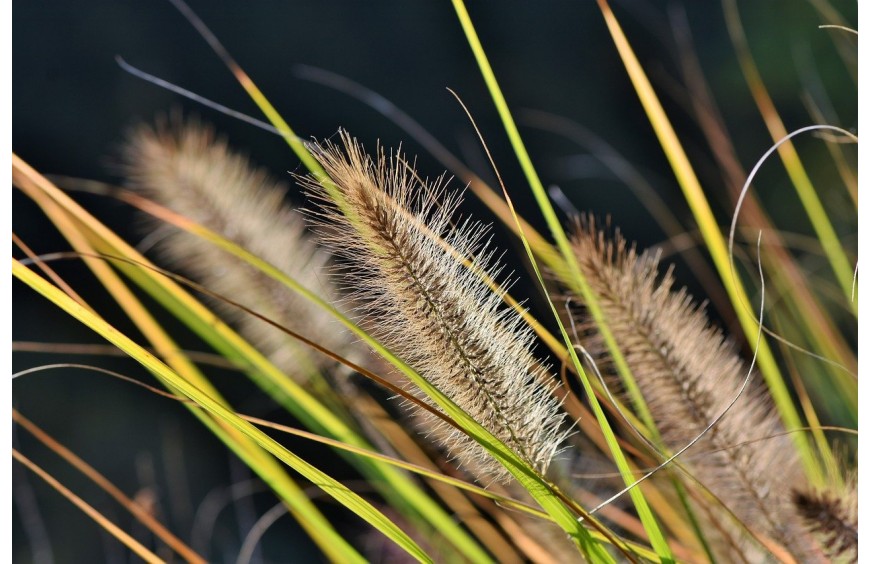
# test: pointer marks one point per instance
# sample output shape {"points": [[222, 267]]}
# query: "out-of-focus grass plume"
{"points": [[189, 169]]}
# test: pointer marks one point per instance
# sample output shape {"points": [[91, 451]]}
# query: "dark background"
{"points": [[72, 103]]}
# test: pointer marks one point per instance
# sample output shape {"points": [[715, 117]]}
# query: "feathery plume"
{"points": [[832, 516], [688, 373], [186, 168], [431, 310]]}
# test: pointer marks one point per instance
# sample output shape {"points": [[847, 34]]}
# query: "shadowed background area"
{"points": [[72, 104]]}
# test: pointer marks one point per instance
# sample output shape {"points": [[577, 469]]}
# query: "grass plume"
{"points": [[431, 310], [187, 168], [688, 373]]}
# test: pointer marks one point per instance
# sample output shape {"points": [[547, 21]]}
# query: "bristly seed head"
{"points": [[431, 310], [688, 373]]}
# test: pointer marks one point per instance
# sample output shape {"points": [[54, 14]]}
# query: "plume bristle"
{"points": [[433, 311]]}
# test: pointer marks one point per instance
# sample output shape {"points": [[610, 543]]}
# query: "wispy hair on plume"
{"points": [[688, 373], [187, 168], [430, 309]]}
